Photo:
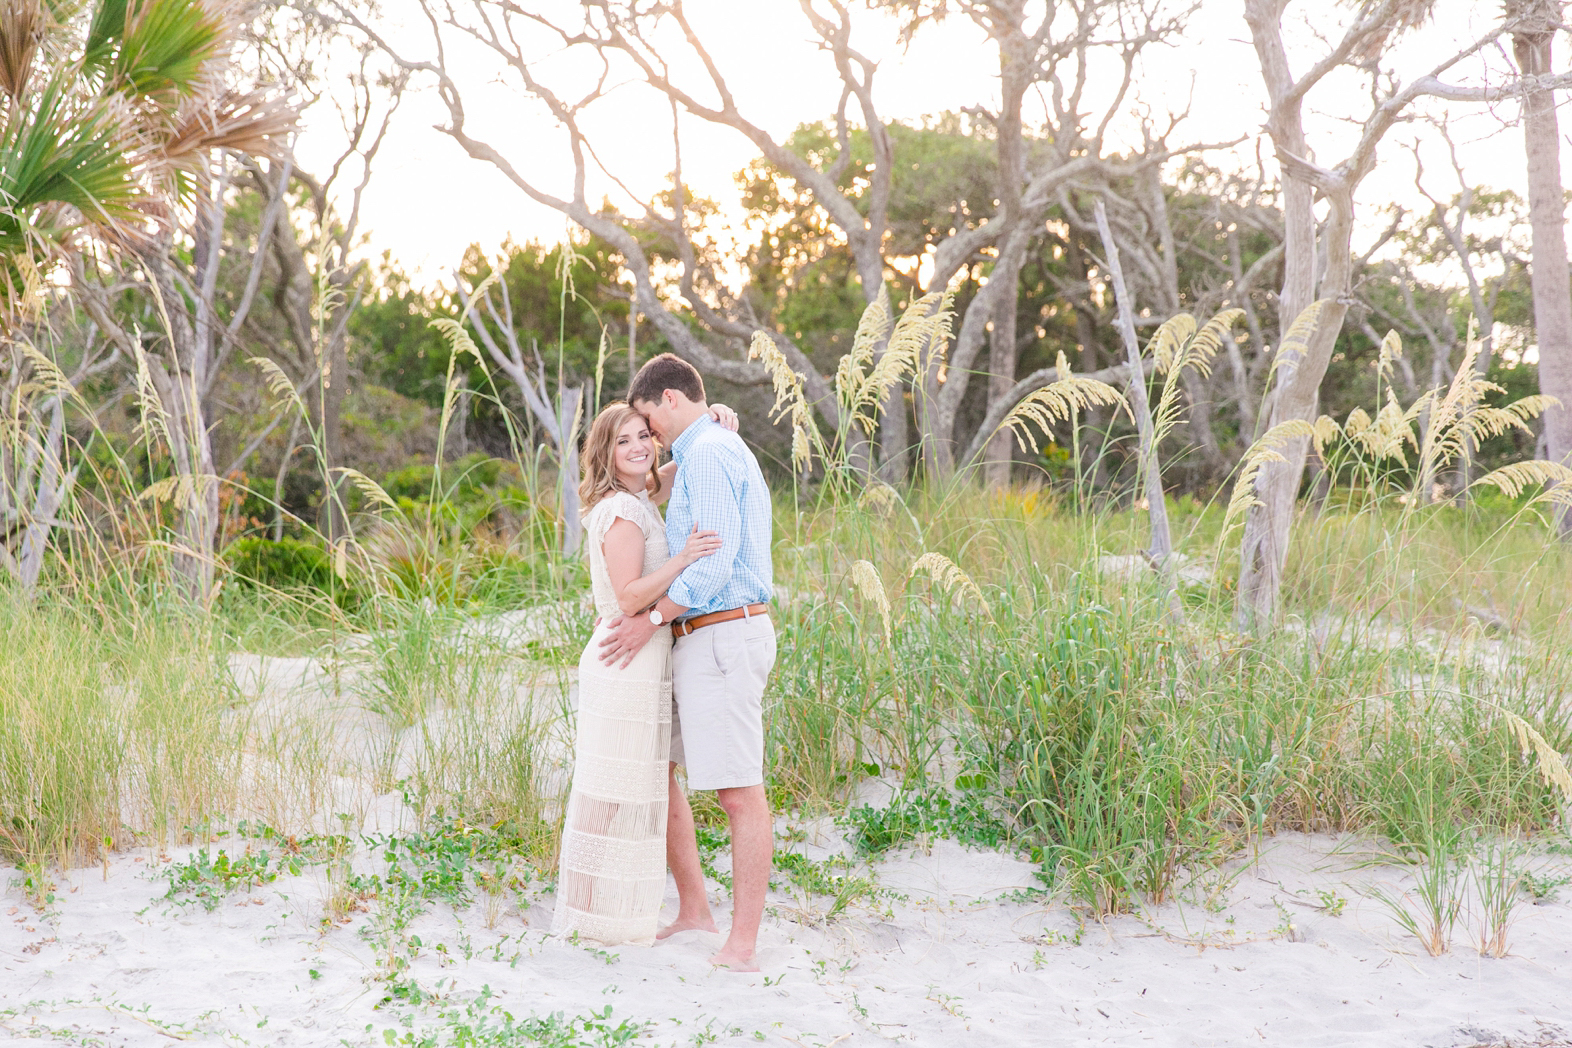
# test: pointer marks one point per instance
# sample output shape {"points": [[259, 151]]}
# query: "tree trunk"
{"points": [[1156, 507], [569, 407], [1197, 394], [633, 341], [1546, 203], [1016, 68], [335, 384], [195, 497], [1094, 463], [180, 388], [894, 437], [1244, 401], [1265, 543], [52, 489], [940, 403], [1295, 395], [1001, 371]]}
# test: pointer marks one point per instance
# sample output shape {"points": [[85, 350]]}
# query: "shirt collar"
{"points": [[686, 438]]}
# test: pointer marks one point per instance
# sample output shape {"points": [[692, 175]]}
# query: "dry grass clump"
{"points": [[60, 748], [108, 734]]}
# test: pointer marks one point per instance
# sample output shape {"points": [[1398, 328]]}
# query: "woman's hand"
{"points": [[700, 545], [724, 415]]}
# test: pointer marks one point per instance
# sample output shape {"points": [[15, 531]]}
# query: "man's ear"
{"points": [[669, 396]]}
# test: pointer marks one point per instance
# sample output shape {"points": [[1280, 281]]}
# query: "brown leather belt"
{"points": [[687, 626]]}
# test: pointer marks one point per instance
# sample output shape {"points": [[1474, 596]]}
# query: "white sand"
{"points": [[949, 965], [962, 957]]}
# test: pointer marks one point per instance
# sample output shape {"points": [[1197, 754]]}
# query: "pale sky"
{"points": [[428, 200]]}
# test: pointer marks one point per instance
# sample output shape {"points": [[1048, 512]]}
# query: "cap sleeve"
{"points": [[608, 509]]}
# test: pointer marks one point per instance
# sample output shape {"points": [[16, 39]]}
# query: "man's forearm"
{"points": [[700, 581], [669, 609]]}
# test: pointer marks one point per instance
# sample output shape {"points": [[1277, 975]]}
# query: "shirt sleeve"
{"points": [[715, 486]]}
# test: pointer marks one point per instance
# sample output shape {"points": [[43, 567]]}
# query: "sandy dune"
{"points": [[956, 948], [956, 961]]}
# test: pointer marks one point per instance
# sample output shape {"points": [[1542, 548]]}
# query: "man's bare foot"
{"points": [[735, 959], [688, 924]]}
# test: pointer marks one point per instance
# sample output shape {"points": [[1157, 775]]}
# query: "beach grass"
{"points": [[981, 654]]}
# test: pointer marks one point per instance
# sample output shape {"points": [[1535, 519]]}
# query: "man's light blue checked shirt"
{"points": [[719, 487]]}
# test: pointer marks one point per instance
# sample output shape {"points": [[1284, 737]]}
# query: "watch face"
{"points": [[655, 617]]}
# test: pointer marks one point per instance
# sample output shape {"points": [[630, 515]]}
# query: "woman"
{"points": [[613, 873]]}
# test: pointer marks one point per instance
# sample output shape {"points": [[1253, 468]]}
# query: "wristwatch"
{"points": [[656, 618]]}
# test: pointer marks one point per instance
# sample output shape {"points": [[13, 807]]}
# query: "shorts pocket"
{"points": [[728, 651], [762, 653]]}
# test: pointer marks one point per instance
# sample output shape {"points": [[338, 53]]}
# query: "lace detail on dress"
{"points": [[637, 508], [613, 873]]}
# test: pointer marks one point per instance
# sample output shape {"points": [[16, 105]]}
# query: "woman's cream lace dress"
{"points": [[613, 875]]}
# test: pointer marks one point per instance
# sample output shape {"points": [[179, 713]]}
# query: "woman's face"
{"points": [[633, 453]]}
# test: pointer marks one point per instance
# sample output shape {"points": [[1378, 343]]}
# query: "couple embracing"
{"points": [[674, 674]]}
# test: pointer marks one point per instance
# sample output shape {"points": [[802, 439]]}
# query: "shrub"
{"points": [[473, 489], [280, 565]]}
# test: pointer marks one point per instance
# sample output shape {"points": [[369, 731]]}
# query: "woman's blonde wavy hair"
{"points": [[600, 471]]}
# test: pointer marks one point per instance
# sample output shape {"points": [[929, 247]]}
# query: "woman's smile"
{"points": [[634, 452]]}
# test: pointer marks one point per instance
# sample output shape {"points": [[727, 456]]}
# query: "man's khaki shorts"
{"points": [[717, 702]]}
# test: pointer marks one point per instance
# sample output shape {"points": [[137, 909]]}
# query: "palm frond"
{"points": [[251, 122], [61, 151], [21, 30], [157, 50], [63, 164]]}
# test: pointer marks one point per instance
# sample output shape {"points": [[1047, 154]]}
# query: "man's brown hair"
{"points": [[667, 371]]}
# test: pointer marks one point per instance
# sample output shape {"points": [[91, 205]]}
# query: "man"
{"points": [[724, 649]]}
